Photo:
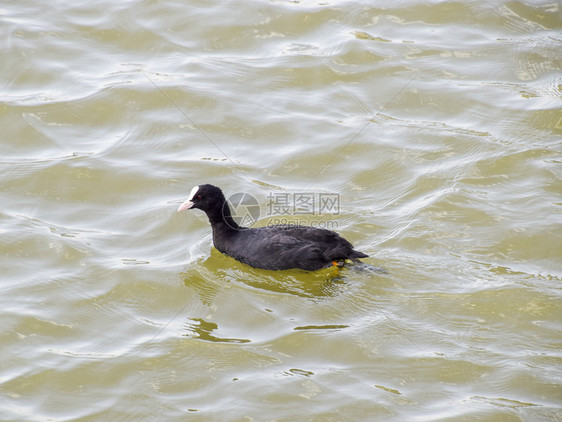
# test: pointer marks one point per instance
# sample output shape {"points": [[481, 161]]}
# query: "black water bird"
{"points": [[278, 247]]}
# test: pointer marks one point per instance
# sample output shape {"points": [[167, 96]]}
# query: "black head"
{"points": [[205, 198]]}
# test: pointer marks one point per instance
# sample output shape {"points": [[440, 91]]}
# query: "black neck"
{"points": [[221, 218]]}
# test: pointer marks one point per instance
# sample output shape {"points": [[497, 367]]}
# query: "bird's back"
{"points": [[287, 246]]}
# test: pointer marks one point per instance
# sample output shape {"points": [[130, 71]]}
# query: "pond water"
{"points": [[434, 130]]}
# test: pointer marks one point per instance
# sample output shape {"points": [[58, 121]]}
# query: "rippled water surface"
{"points": [[436, 125]]}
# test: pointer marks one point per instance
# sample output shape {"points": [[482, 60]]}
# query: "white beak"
{"points": [[185, 206], [188, 204]]}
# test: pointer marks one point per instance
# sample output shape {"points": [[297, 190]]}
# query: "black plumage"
{"points": [[278, 247]]}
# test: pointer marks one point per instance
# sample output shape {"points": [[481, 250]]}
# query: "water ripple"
{"points": [[437, 124]]}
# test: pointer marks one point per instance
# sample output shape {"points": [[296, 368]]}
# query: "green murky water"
{"points": [[437, 126]]}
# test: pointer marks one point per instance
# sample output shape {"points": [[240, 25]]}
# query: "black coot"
{"points": [[278, 247]]}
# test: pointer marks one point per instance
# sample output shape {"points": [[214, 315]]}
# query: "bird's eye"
{"points": [[198, 196]]}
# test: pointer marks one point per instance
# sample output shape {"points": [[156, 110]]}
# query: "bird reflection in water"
{"points": [[203, 330]]}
